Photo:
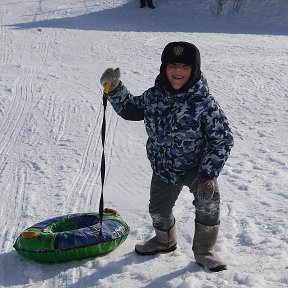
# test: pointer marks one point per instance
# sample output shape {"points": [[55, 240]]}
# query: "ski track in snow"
{"points": [[50, 138]]}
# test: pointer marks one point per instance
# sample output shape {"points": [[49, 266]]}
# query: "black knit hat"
{"points": [[185, 53]]}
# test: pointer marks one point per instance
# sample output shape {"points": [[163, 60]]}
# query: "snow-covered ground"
{"points": [[52, 54]]}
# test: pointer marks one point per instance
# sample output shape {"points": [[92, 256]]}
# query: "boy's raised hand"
{"points": [[111, 75], [203, 188]]}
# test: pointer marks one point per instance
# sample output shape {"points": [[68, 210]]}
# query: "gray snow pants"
{"points": [[164, 195]]}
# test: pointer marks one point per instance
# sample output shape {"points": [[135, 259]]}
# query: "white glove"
{"points": [[111, 75]]}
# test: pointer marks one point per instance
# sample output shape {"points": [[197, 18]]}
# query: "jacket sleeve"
{"points": [[219, 139], [126, 105]]}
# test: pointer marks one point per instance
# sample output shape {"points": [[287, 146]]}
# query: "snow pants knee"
{"points": [[164, 195]]}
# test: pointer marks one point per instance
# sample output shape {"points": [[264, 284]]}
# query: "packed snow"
{"points": [[52, 55]]}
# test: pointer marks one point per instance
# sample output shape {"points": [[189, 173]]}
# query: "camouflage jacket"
{"points": [[185, 130]]}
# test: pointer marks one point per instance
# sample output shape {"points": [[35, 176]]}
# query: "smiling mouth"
{"points": [[177, 77]]}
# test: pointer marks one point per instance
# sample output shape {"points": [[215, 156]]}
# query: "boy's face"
{"points": [[178, 74]]}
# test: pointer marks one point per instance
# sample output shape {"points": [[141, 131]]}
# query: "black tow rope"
{"points": [[103, 132]]}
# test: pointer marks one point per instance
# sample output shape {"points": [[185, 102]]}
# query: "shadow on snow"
{"points": [[129, 18]]}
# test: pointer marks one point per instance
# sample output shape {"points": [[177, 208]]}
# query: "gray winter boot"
{"points": [[163, 242], [204, 241]]}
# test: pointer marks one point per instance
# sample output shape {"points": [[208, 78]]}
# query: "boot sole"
{"points": [[218, 268], [172, 248], [215, 269]]}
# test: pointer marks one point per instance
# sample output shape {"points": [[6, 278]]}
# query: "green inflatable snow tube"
{"points": [[72, 237]]}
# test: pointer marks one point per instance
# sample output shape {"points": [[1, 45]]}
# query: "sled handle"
{"points": [[107, 87], [112, 211], [30, 234]]}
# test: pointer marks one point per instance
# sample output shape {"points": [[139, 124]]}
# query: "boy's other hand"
{"points": [[203, 188]]}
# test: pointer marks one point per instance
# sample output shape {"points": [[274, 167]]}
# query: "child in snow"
{"points": [[189, 141]]}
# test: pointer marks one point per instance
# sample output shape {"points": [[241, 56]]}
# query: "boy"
{"points": [[189, 141]]}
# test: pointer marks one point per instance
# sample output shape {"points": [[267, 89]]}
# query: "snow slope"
{"points": [[52, 54]]}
